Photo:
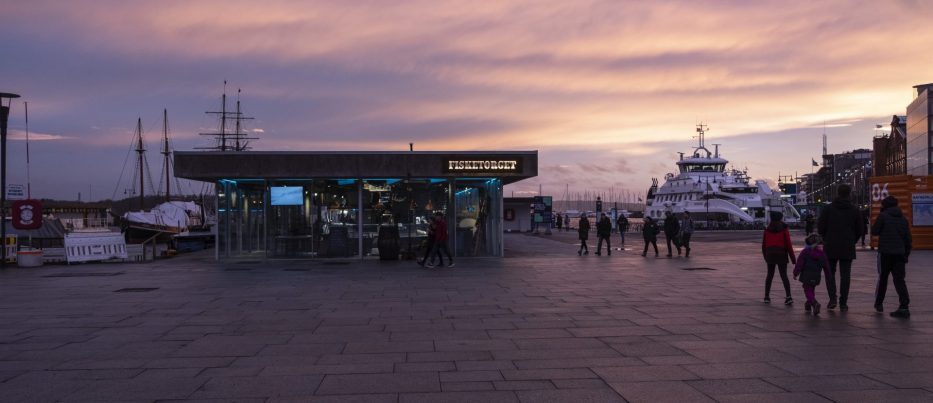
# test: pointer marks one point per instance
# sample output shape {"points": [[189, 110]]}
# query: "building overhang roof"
{"points": [[509, 166]]}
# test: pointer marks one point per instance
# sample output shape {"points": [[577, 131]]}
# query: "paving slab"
{"points": [[258, 386], [380, 383], [459, 397], [541, 325], [570, 395], [649, 392]]}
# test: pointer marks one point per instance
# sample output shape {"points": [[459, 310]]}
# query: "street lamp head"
{"points": [[8, 95]]}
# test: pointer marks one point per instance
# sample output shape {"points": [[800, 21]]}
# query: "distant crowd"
{"points": [[830, 248], [677, 231]]}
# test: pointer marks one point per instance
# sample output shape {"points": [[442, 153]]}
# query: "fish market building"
{"points": [[315, 204]]}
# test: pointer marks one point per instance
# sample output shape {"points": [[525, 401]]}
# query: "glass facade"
{"points": [[241, 209], [355, 218], [919, 135], [404, 206], [478, 217]]}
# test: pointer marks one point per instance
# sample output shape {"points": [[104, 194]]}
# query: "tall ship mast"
{"points": [[225, 140]]}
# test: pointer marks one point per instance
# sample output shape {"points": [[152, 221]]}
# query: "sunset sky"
{"points": [[607, 91]]}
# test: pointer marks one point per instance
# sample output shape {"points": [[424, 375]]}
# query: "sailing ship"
{"points": [[171, 219], [713, 193]]}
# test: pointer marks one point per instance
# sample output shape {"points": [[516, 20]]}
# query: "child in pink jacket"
{"points": [[811, 266]]}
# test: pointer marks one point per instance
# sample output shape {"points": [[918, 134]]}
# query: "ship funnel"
{"points": [[717, 150]]}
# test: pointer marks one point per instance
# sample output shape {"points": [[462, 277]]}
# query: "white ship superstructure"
{"points": [[713, 193]]}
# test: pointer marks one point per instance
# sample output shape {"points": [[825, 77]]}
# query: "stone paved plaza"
{"points": [[542, 325]]}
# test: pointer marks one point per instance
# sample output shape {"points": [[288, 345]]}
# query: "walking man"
{"points": [[440, 240], [583, 232], [894, 244], [560, 222], [603, 232], [686, 231], [649, 231], [671, 228], [622, 225], [865, 213], [840, 225]]}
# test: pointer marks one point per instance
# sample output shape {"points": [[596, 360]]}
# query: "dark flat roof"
{"points": [[213, 165]]}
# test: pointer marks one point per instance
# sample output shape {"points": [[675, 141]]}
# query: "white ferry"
{"points": [[714, 194]]}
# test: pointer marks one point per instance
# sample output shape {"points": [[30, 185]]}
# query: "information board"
{"points": [[922, 209], [15, 192], [543, 209]]}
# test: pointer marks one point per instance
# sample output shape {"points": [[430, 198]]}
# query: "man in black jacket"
{"points": [[894, 244], [603, 232], [671, 228], [840, 225], [622, 224]]}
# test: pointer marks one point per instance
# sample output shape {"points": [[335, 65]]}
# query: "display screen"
{"points": [[287, 196]]}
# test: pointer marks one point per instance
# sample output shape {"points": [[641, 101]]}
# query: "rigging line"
{"points": [[171, 164], [123, 170], [135, 176], [28, 181], [149, 174], [159, 192]]}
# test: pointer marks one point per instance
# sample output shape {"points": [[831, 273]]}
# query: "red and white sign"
{"points": [[27, 214]]}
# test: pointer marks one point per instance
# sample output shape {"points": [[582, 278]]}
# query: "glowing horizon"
{"points": [[608, 84]]}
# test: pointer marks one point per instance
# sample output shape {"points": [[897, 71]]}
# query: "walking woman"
{"points": [[649, 231], [583, 227], [777, 251]]}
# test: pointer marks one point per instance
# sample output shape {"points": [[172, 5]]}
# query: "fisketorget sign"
{"points": [[490, 166]]}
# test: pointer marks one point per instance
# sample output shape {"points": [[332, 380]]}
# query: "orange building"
{"points": [[915, 196]]}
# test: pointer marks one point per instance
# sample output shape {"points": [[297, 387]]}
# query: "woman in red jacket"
{"points": [[777, 251]]}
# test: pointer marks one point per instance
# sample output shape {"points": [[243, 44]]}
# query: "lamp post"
{"points": [[4, 116], [706, 193]]}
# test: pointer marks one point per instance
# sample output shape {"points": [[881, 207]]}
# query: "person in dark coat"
{"points": [[686, 232], [865, 213], [622, 225], [777, 250], [840, 225], [671, 229], [808, 221], [603, 232], [649, 231], [429, 244], [440, 241], [583, 229], [894, 245]]}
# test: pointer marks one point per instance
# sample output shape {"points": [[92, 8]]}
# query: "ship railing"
{"points": [[86, 224]]}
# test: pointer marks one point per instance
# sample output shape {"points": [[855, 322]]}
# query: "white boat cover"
{"points": [[175, 214]]}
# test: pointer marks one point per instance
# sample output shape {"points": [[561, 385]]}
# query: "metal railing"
{"points": [[86, 224]]}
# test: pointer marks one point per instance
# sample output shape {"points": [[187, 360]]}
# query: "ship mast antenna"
{"points": [[141, 150], [166, 152], [701, 134], [239, 137], [824, 137]]}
